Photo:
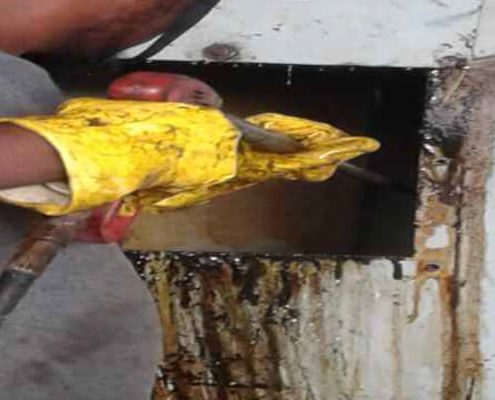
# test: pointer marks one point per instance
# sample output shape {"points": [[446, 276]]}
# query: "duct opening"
{"points": [[341, 216]]}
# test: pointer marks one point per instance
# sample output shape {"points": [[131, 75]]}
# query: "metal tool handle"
{"points": [[275, 142], [33, 255], [264, 140]]}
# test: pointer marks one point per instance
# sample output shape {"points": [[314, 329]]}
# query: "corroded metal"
{"points": [[268, 327], [455, 164], [249, 327]]}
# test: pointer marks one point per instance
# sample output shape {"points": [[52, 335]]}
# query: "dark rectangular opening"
{"points": [[341, 216]]}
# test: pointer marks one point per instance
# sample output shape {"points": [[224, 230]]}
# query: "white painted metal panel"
{"points": [[485, 42], [488, 296], [404, 33]]}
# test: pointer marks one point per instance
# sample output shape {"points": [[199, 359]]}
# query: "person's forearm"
{"points": [[26, 158]]}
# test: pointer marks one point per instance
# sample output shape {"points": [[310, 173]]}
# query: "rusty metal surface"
{"points": [[248, 327], [267, 327], [450, 226], [487, 293]]}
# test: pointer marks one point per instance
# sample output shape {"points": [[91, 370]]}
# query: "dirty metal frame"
{"points": [[454, 169], [301, 327]]}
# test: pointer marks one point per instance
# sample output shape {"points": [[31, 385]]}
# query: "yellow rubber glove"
{"points": [[168, 155]]}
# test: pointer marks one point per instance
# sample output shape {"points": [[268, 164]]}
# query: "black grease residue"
{"points": [[398, 272], [254, 271], [210, 279]]}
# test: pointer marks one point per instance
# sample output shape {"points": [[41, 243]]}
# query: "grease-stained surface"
{"points": [[248, 327], [419, 33], [267, 327]]}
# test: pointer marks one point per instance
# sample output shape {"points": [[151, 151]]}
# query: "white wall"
{"points": [[410, 33]]}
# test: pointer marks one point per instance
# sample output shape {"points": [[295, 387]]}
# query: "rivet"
{"points": [[220, 52]]}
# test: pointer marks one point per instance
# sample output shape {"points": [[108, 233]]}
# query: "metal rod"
{"points": [[33, 255], [373, 178], [275, 142], [264, 140]]}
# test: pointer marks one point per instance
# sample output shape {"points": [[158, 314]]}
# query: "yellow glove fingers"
{"points": [[316, 164], [299, 128], [327, 147]]}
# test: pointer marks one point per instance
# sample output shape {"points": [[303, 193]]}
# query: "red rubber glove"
{"points": [[106, 225]]}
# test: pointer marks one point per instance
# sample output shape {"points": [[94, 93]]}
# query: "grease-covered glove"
{"points": [[157, 155]]}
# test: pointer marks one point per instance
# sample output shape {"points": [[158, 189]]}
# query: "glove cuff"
{"points": [[112, 149]]}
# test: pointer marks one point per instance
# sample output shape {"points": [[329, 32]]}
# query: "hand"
{"points": [[167, 155], [108, 223]]}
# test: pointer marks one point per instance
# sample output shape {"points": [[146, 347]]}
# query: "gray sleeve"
{"points": [[25, 88], [88, 329]]}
